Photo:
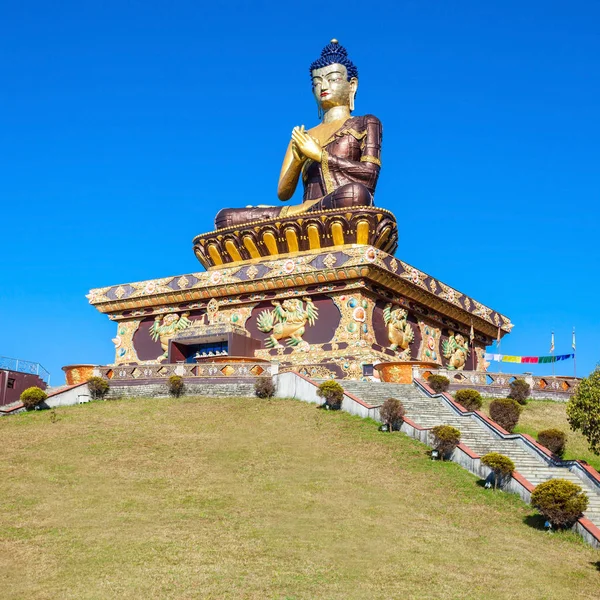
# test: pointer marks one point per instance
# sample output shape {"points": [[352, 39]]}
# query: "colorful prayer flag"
{"points": [[552, 344], [530, 359], [573, 344], [511, 359]]}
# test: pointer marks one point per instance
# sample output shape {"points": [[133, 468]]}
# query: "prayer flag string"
{"points": [[528, 359]]}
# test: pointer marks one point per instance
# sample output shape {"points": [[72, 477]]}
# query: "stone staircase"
{"points": [[428, 412]]}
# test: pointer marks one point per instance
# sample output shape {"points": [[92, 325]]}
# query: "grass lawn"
{"points": [[244, 498], [538, 415]]}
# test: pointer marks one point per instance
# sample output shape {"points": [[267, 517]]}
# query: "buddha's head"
{"points": [[334, 78]]}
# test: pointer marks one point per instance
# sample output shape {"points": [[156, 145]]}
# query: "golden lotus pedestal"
{"points": [[402, 372], [270, 238]]}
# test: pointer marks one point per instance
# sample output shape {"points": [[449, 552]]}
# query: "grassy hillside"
{"points": [[538, 415], [199, 498]]}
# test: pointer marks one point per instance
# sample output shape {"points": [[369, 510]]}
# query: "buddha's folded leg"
{"points": [[346, 196], [229, 217]]}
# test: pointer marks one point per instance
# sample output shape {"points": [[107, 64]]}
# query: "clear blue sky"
{"points": [[126, 125]]}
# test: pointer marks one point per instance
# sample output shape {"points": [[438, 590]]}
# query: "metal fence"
{"points": [[24, 366]]}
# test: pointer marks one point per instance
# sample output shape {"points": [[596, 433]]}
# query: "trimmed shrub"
{"points": [[470, 399], [438, 383], [333, 393], [176, 386], [445, 439], [505, 412], [560, 501], [32, 397], [519, 391], [554, 439], [583, 409], [264, 387], [501, 465], [392, 413], [98, 387]]}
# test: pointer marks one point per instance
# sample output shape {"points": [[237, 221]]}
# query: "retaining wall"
{"points": [[296, 386], [158, 389]]}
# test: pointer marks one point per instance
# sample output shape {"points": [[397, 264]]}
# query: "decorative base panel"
{"points": [[325, 313]]}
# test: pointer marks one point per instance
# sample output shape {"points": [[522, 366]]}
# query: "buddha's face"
{"points": [[331, 86]]}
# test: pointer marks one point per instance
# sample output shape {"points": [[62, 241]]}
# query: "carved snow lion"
{"points": [[456, 350], [400, 333], [287, 320]]}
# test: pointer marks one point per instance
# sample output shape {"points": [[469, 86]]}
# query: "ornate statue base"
{"points": [[327, 311]]}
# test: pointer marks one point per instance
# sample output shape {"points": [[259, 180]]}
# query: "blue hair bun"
{"points": [[332, 54]]}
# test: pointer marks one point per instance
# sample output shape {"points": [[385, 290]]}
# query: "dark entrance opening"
{"points": [[190, 351]]}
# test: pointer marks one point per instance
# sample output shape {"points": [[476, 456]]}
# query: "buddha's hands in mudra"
{"points": [[305, 146]]}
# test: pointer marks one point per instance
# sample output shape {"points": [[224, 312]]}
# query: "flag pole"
{"points": [[472, 339], [498, 341], [552, 353], [574, 355]]}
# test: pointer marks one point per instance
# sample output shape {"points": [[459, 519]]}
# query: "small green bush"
{"points": [[519, 391], [32, 397], [470, 399], [333, 393], [176, 386], [560, 501], [438, 383], [554, 439], [501, 465], [445, 439], [505, 412], [392, 413], [98, 387], [264, 387]]}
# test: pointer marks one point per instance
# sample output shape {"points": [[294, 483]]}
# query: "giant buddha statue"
{"points": [[338, 160]]}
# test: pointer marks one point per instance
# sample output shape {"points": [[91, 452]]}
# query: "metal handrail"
{"points": [[24, 366]]}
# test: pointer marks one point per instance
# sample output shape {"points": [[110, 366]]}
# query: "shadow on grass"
{"points": [[596, 565], [536, 521]]}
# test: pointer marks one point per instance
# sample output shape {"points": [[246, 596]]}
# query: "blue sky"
{"points": [[126, 125]]}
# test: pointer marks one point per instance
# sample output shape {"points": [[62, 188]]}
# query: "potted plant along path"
{"points": [[470, 399], [264, 387], [438, 383], [560, 501], [554, 439], [176, 386], [519, 391], [98, 387], [392, 414], [333, 394], [506, 412], [501, 466], [32, 397], [445, 440]]}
